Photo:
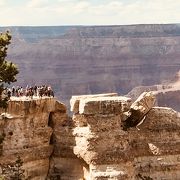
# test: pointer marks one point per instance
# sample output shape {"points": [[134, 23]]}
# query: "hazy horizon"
{"points": [[91, 25], [88, 12]]}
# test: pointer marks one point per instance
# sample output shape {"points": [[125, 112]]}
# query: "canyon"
{"points": [[106, 137], [79, 60], [91, 145]]}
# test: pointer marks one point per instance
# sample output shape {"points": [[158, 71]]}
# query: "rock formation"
{"points": [[138, 110], [167, 95], [152, 152], [26, 133], [92, 144], [64, 164], [95, 59]]}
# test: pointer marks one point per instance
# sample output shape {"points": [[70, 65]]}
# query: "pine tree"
{"points": [[8, 70]]}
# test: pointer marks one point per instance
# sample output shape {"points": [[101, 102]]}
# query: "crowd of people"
{"points": [[30, 91]]}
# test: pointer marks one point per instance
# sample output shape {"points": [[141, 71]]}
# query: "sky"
{"points": [[88, 12]]}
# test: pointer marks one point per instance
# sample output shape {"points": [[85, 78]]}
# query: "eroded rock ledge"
{"points": [[27, 132], [150, 152], [93, 144]]}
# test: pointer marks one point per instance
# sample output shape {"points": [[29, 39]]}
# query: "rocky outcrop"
{"points": [[27, 132], [167, 95], [138, 110], [95, 59], [152, 152], [39, 131], [64, 164], [93, 144], [75, 100]]}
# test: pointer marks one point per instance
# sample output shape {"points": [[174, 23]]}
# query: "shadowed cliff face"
{"points": [[85, 60]]}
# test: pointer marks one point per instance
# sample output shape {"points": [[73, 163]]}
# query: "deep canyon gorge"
{"points": [[79, 60], [98, 72]]}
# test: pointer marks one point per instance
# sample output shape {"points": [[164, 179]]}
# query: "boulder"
{"points": [[139, 109]]}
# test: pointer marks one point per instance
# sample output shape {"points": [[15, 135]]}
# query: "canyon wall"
{"points": [[95, 59], [92, 144], [151, 151], [39, 131], [27, 133]]}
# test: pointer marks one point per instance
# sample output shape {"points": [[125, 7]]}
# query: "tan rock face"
{"points": [[139, 109], [110, 152], [64, 164], [74, 102], [27, 134], [93, 144], [40, 132]]}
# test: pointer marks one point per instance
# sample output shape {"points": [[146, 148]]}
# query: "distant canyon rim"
{"points": [[78, 60]]}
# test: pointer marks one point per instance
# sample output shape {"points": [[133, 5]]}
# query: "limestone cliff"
{"points": [[92, 144], [152, 152], [27, 133]]}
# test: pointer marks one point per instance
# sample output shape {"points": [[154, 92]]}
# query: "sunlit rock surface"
{"points": [[28, 129], [27, 135], [150, 152], [91, 145]]}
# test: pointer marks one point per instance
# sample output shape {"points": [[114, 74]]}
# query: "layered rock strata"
{"points": [[95, 59], [26, 129], [93, 144], [152, 152], [64, 164]]}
